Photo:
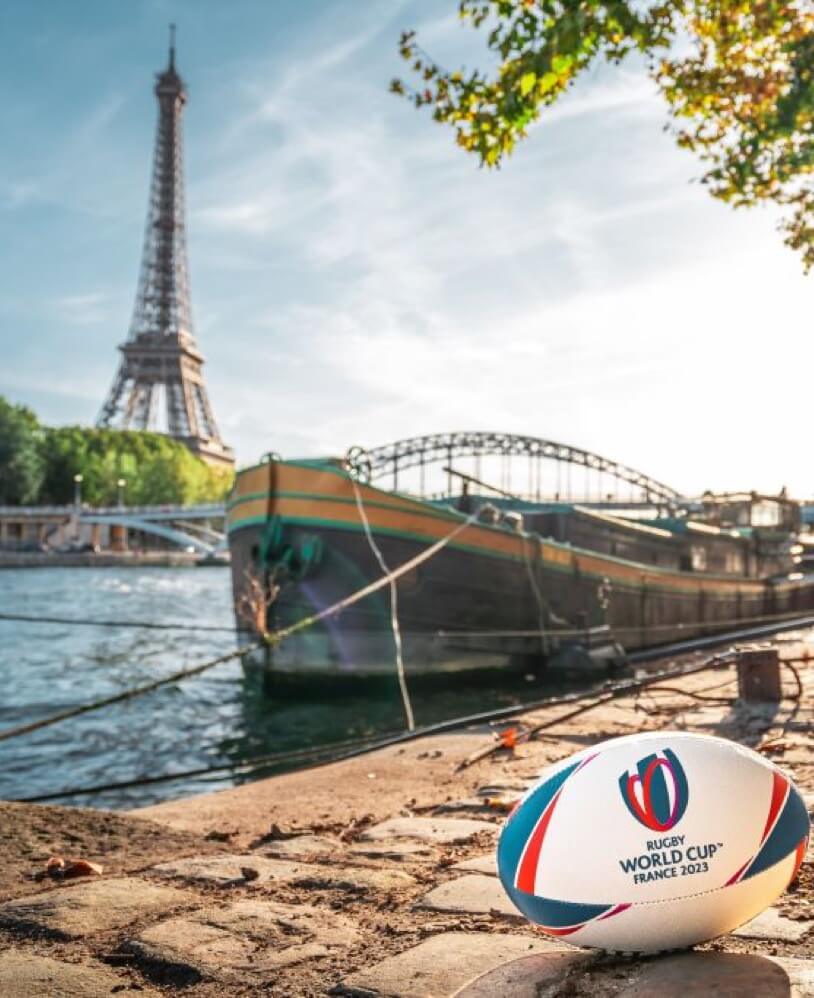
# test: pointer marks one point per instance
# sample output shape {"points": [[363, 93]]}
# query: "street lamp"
{"points": [[120, 486], [77, 504]]}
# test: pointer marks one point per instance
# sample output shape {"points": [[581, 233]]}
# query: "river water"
{"points": [[216, 719]]}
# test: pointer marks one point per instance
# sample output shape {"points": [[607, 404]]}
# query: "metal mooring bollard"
{"points": [[759, 674]]}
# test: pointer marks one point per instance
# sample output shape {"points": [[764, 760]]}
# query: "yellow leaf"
{"points": [[548, 82], [527, 81]]}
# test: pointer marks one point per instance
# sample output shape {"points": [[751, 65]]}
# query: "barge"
{"points": [[520, 585]]}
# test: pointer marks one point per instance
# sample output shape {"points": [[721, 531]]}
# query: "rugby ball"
{"points": [[651, 842]]}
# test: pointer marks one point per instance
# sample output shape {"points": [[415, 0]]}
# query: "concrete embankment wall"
{"points": [[88, 559]]}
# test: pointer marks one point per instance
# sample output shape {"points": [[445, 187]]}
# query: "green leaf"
{"points": [[527, 81], [560, 64]]}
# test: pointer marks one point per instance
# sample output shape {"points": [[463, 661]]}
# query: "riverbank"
{"points": [[374, 876], [93, 559]]}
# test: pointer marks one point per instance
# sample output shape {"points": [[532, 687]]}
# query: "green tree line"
{"points": [[38, 464]]}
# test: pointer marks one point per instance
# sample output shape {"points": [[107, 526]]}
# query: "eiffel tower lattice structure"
{"points": [[159, 385]]}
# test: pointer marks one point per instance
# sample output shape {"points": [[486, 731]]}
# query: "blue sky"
{"points": [[357, 279]]}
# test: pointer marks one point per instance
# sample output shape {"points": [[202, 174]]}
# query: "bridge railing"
{"points": [[200, 509], [26, 511]]}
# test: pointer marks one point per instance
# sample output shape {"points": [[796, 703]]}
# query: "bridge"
{"points": [[185, 526], [522, 467], [200, 529]]}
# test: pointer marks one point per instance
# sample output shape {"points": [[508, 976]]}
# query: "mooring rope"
{"points": [[543, 609], [606, 695], [277, 637], [557, 632], [613, 629], [602, 694], [255, 763], [91, 622], [273, 638], [394, 615], [86, 708]]}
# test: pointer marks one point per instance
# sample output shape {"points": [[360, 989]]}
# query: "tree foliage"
{"points": [[21, 465], [737, 76], [156, 469]]}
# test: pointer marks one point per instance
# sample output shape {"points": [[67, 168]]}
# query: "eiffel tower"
{"points": [[160, 360]]}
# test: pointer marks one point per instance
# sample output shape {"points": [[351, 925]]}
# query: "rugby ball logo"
{"points": [[657, 793]]}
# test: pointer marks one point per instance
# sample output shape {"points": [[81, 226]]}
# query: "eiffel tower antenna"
{"points": [[160, 361]]}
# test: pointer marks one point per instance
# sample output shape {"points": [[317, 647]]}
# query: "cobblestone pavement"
{"points": [[398, 901]]}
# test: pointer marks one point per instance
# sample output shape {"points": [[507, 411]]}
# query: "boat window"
{"points": [[766, 514]]}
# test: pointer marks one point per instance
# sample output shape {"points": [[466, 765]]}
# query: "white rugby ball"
{"points": [[653, 842]]}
